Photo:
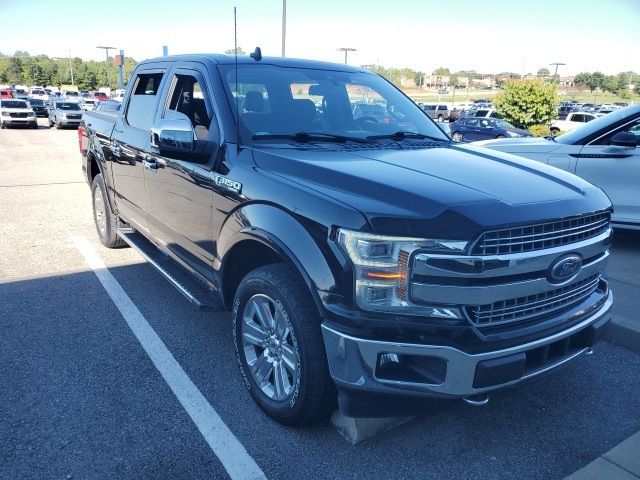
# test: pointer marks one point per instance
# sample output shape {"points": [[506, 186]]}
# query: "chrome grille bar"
{"points": [[525, 308], [541, 236]]}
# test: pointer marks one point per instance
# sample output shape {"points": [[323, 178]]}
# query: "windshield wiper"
{"points": [[311, 137], [401, 135]]}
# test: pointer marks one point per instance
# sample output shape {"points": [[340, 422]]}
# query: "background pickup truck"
{"points": [[439, 113], [573, 120], [372, 263]]}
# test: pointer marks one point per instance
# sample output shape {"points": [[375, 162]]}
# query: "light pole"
{"points": [[71, 67], [557, 64], [284, 24], [346, 51], [106, 50]]}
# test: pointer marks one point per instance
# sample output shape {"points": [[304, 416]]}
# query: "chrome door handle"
{"points": [[116, 149], [150, 164]]}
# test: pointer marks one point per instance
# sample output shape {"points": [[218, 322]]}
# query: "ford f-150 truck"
{"points": [[372, 263]]}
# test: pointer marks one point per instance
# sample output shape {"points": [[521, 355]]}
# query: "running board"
{"points": [[187, 283]]}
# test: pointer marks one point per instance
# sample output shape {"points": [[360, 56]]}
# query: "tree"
{"points": [[441, 71], [595, 81], [454, 78], [527, 102], [610, 84], [582, 79], [543, 72], [232, 51]]}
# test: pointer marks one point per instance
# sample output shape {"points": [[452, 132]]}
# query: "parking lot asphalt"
{"points": [[80, 398]]}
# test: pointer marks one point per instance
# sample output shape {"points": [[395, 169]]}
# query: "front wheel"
{"points": [[499, 137], [554, 132], [279, 347], [457, 137]]}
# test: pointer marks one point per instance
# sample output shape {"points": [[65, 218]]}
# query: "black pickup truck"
{"points": [[367, 264]]}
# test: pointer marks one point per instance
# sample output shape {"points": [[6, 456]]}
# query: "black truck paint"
{"points": [[225, 207]]}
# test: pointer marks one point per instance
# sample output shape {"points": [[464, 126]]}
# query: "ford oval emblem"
{"points": [[565, 268]]}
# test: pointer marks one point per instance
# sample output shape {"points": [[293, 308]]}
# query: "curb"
{"points": [[625, 332], [357, 430], [620, 463]]}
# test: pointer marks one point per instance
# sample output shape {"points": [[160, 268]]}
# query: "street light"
{"points": [[556, 64], [346, 51], [106, 50]]}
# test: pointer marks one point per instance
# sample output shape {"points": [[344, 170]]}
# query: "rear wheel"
{"points": [[554, 132], [106, 221], [441, 118], [279, 346], [457, 137], [500, 136]]}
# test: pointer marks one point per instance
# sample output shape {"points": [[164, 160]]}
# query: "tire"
{"points": [[50, 122], [105, 220], [58, 126], [457, 137], [440, 118], [554, 132], [499, 137], [306, 392]]}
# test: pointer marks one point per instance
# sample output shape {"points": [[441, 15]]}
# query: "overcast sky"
{"points": [[487, 36]]}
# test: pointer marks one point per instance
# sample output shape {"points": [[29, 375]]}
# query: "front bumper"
{"points": [[68, 122], [391, 369], [19, 121]]}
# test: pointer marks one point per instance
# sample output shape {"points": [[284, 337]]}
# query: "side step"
{"points": [[188, 284]]}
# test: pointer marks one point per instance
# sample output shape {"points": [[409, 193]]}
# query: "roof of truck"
{"points": [[222, 59]]}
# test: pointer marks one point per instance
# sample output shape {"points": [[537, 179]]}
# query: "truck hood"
{"points": [[516, 145], [452, 191], [16, 110]]}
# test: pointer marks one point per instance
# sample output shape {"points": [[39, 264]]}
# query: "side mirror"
{"points": [[624, 139], [175, 137]]}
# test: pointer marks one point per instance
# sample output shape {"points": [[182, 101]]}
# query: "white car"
{"points": [[39, 93], [604, 152], [573, 120], [17, 112], [88, 104]]}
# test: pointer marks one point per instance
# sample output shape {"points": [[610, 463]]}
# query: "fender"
{"points": [[281, 232], [96, 154]]}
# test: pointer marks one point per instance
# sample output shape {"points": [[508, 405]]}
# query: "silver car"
{"points": [[63, 113], [17, 112]]}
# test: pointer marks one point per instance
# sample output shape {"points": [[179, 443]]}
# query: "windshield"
{"points": [[13, 104], [35, 101], [71, 94], [38, 92], [67, 106], [285, 101], [576, 135]]}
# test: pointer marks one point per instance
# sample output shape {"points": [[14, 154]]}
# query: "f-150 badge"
{"points": [[227, 183]]}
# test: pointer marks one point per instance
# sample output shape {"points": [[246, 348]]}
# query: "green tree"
{"points": [[582, 79], [610, 84], [543, 72], [441, 71], [595, 81], [527, 102]]}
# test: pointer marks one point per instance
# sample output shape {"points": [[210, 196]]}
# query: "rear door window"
{"points": [[143, 102]]}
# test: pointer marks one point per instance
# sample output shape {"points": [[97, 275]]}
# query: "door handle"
{"points": [[116, 149], [150, 164]]}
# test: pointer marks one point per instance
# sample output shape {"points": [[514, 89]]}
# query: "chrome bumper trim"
{"points": [[352, 361]]}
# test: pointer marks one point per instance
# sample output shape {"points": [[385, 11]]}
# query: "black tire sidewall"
{"points": [[98, 182], [284, 411]]}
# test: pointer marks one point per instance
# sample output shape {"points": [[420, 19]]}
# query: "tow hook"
{"points": [[479, 400]]}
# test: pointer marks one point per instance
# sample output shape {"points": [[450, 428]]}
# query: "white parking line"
{"points": [[222, 441]]}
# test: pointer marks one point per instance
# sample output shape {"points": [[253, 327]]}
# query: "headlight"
{"points": [[381, 267], [61, 115], [6, 114], [513, 134]]}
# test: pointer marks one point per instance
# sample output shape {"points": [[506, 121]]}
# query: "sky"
{"points": [[487, 36]]}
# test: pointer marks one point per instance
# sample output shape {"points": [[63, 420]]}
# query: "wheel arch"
{"points": [[260, 234]]}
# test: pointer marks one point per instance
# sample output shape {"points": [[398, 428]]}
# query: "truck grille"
{"points": [[18, 114], [72, 116], [543, 235], [531, 306]]}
